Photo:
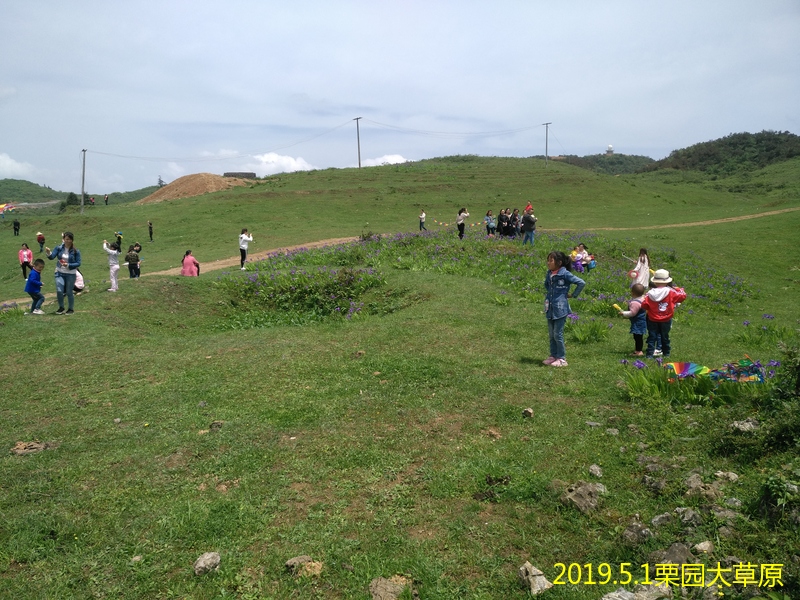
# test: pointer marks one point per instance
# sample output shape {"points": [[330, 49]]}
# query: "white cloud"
{"points": [[11, 169], [386, 159], [7, 92], [272, 163]]}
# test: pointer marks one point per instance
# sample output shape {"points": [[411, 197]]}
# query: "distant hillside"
{"points": [[610, 164], [18, 190], [733, 153], [21, 191]]}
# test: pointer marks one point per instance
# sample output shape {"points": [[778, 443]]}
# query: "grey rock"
{"points": [[653, 468], [636, 533], [533, 579], [202, 404], [662, 519], [593, 423], [216, 425], [117, 420], [706, 547], [727, 476], [207, 562], [652, 592], [612, 431], [633, 429], [527, 413], [689, 516], [734, 502], [595, 471], [725, 532], [642, 446], [619, 594], [696, 487], [293, 564], [583, 496], [750, 424], [676, 554], [654, 485], [644, 459]]}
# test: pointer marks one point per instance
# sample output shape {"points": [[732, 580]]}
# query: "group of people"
{"points": [[509, 223], [650, 311]]}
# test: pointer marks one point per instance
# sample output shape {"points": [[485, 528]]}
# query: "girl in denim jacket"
{"points": [[557, 283]]}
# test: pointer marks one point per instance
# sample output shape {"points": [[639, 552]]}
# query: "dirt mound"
{"points": [[194, 185]]}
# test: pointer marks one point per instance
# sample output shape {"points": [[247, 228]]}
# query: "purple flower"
{"points": [[774, 363], [766, 316], [623, 361], [639, 364], [660, 361], [746, 323], [771, 373], [610, 325], [573, 317]]}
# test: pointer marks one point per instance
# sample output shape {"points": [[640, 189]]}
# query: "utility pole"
{"points": [[358, 137], [546, 139], [83, 178]]}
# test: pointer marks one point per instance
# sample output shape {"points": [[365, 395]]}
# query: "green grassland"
{"points": [[366, 443]]}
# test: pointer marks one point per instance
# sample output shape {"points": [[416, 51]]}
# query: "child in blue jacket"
{"points": [[33, 287], [557, 283]]}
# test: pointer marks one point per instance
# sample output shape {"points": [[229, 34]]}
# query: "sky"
{"points": [[167, 88]]}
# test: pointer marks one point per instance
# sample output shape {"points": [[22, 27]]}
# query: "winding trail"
{"points": [[227, 263]]}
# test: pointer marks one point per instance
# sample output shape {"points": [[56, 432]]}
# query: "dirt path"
{"points": [[227, 263], [697, 223]]}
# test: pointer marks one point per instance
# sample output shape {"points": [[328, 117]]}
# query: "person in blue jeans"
{"points": [[69, 259], [33, 287], [557, 283]]}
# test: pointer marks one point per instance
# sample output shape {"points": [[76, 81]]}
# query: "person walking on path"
{"points": [[191, 268], [25, 260], [16, 227], [422, 220], [69, 259], [528, 226], [33, 287], [113, 264], [106, 199], [462, 214], [244, 239], [40, 239]]}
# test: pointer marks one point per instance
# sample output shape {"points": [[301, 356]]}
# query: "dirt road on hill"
{"points": [[227, 263], [697, 223]]}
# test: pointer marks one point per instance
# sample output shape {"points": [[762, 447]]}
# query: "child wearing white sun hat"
{"points": [[660, 304]]}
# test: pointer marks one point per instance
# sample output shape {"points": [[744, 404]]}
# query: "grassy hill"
{"points": [[610, 164], [20, 191], [186, 415], [734, 153]]}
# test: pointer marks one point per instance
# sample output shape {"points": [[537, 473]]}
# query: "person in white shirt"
{"points": [[244, 240]]}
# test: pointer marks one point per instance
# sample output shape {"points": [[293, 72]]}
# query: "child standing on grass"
{"points": [[660, 306], [642, 268], [556, 304], [113, 264], [638, 317], [33, 287]]}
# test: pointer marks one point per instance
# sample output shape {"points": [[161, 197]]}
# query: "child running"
{"points": [[660, 306], [638, 317], [33, 287], [556, 304]]}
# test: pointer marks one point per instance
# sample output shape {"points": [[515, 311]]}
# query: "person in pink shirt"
{"points": [[25, 260], [191, 268]]}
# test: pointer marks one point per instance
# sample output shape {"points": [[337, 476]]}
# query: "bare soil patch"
{"points": [[194, 185]]}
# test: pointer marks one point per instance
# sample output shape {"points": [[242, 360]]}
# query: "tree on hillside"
{"points": [[738, 151], [161, 182]]}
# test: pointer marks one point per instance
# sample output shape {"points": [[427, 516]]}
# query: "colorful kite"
{"points": [[687, 369]]}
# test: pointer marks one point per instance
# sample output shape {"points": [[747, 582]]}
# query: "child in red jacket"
{"points": [[660, 304]]}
